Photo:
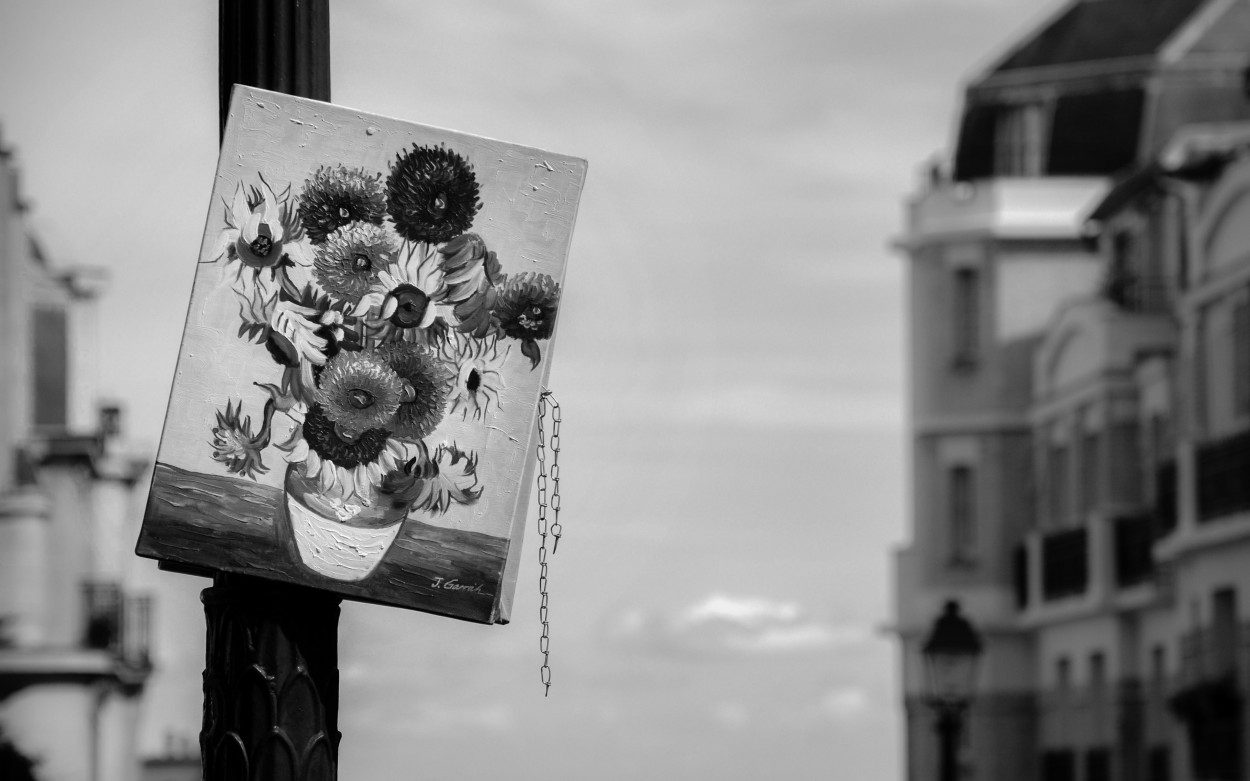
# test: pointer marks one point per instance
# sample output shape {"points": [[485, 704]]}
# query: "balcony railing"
{"points": [[1065, 564], [1214, 653], [1222, 485], [1134, 291], [1091, 730], [136, 642], [102, 612], [1133, 539], [117, 623], [1208, 698]]}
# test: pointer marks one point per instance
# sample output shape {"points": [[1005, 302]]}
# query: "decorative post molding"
{"points": [[271, 684]]}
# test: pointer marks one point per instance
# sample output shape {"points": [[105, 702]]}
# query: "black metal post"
{"points": [[280, 45], [949, 724], [271, 685]]}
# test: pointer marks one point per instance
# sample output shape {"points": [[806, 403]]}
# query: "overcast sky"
{"points": [[730, 357]]}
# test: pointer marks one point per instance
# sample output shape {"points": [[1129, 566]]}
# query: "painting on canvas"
{"points": [[369, 332]]}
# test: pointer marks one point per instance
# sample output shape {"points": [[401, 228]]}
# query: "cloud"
{"points": [[731, 715], [843, 703], [730, 626], [773, 406], [438, 718], [747, 612]]}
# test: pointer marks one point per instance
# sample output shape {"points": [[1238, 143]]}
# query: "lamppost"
{"points": [[951, 653]]}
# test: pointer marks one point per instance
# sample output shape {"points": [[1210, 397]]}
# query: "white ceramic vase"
{"points": [[342, 538]]}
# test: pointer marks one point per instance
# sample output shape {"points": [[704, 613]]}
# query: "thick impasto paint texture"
{"points": [[370, 329]]}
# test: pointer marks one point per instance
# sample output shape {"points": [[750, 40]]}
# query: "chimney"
{"points": [[110, 421]]}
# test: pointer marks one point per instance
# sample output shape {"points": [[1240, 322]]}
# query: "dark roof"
{"points": [[1092, 30]]}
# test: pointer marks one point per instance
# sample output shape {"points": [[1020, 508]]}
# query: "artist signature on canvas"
{"points": [[455, 585]]}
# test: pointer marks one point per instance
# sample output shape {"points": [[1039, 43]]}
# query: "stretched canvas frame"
{"points": [[370, 328]]}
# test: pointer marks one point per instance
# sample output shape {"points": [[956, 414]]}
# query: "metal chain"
{"points": [[547, 403]]}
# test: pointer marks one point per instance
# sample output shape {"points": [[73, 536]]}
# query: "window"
{"points": [[1018, 138], [1120, 284], [962, 514], [1058, 765], [1160, 439], [1063, 673], [1222, 488], [1122, 463], [50, 358], [1225, 356], [966, 317], [1097, 671], [1059, 493], [1158, 667], [1065, 563], [1132, 539], [1020, 575], [1159, 764], [1095, 133], [1098, 764], [1091, 469], [1240, 344], [1224, 630]]}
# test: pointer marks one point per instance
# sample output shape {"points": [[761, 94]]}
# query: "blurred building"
{"points": [[74, 634], [179, 761], [1080, 386]]}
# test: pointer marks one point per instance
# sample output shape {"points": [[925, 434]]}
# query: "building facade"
{"points": [[74, 630], [1079, 282]]}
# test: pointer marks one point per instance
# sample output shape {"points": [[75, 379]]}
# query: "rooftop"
{"points": [[1091, 30]]}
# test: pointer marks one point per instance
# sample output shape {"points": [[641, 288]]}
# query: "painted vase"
{"points": [[342, 538]]}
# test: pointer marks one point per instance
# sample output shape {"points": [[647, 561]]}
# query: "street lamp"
{"points": [[951, 653]]}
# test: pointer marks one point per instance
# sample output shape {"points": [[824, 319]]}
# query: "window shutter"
{"points": [[50, 342]]}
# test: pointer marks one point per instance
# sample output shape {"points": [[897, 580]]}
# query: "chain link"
{"points": [[547, 404]]}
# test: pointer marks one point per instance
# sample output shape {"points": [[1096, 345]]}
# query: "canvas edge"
{"points": [[143, 546], [516, 535], [239, 89]]}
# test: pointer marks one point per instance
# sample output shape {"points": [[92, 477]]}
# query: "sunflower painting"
{"points": [[370, 326]]}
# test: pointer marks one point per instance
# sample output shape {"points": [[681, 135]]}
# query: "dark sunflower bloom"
{"points": [[431, 382], [339, 196], [359, 392], [526, 307], [526, 310], [348, 263], [321, 437], [431, 194]]}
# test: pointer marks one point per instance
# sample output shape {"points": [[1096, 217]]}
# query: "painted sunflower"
{"points": [[359, 391], [338, 196], [236, 446], [526, 310], [407, 298], [431, 194], [470, 272], [349, 262], [478, 375], [453, 479], [261, 229], [343, 467], [430, 380]]}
